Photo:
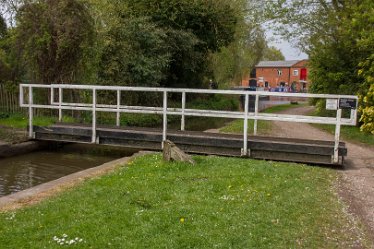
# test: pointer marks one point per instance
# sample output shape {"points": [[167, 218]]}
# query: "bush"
{"points": [[4, 115], [215, 102], [367, 111]]}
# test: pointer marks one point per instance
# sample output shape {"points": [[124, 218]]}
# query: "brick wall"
{"points": [[286, 76]]}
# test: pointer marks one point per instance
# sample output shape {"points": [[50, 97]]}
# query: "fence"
{"points": [[9, 100], [165, 110]]}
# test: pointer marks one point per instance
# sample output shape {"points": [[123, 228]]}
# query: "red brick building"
{"points": [[275, 75]]}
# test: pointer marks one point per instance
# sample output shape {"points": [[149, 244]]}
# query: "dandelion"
{"points": [[181, 220]]}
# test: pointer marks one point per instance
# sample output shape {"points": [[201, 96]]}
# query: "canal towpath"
{"points": [[356, 183]]}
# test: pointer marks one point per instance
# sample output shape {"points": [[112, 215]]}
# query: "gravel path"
{"points": [[356, 187]]}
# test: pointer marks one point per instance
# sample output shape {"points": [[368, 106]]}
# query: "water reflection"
{"points": [[22, 172]]}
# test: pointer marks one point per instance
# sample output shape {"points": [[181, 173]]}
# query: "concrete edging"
{"points": [[9, 150], [38, 193]]}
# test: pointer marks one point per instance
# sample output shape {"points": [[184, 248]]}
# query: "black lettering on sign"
{"points": [[347, 103]]}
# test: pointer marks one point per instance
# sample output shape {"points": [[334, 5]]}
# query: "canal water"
{"points": [[25, 171]]}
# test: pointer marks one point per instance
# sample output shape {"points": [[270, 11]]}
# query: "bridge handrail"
{"points": [[183, 112]]}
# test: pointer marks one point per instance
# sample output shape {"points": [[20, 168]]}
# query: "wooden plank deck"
{"points": [[269, 148]]}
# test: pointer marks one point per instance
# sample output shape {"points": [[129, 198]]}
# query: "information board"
{"points": [[347, 103], [331, 104]]}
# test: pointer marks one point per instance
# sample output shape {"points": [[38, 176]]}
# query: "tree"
{"points": [[339, 37], [54, 38], [362, 29], [3, 27], [135, 53], [321, 27], [272, 54], [232, 63], [190, 31], [5, 70]]}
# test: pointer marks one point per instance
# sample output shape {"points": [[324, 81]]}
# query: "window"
{"points": [[279, 72], [252, 73], [295, 72]]}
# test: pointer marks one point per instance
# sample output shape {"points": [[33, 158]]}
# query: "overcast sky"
{"points": [[288, 51]]}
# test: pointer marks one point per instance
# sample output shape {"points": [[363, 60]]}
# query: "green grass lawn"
{"points": [[263, 127], [350, 133], [218, 203], [237, 126], [21, 121]]}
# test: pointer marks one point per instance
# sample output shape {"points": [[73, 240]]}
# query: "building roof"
{"points": [[277, 63]]}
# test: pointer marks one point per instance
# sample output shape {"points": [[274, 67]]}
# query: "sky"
{"points": [[289, 52]]}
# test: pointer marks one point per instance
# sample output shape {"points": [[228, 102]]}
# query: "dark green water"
{"points": [[26, 171]]}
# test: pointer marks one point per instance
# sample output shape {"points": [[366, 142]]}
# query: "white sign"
{"points": [[331, 104]]}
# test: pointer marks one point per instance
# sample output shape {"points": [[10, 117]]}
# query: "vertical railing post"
{"points": [[165, 118], [93, 140], [245, 129], [256, 113], [52, 95], [354, 115], [60, 98], [31, 114], [21, 95], [183, 111], [337, 136], [118, 107]]}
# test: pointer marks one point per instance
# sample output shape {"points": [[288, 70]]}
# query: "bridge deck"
{"points": [[272, 148]]}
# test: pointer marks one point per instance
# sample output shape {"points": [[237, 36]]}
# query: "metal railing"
{"points": [[246, 115]]}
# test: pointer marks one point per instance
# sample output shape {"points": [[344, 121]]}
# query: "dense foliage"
{"points": [[338, 36], [52, 37], [5, 68], [152, 43], [235, 61], [191, 30]]}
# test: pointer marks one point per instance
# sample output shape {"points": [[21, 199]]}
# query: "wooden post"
{"points": [[172, 152]]}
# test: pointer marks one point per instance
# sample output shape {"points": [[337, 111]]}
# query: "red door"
{"points": [[303, 74]]}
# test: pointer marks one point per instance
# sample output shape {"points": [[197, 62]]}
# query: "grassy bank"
{"points": [[350, 133], [20, 121], [219, 203], [263, 127]]}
